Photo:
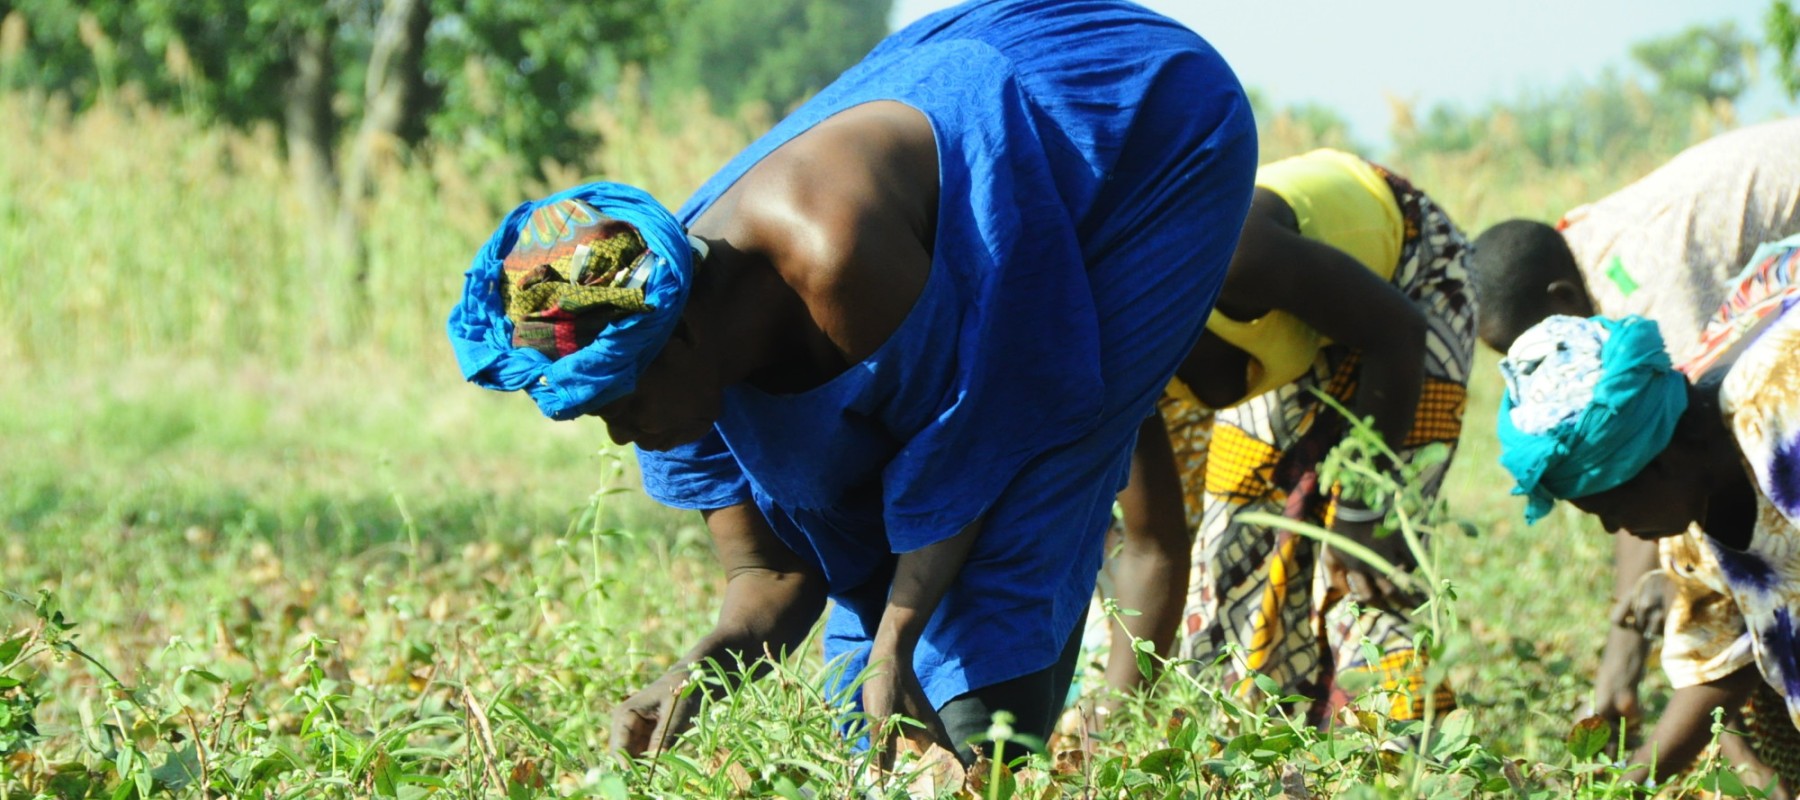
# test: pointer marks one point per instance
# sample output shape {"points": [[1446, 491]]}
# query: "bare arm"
{"points": [[771, 597], [921, 578], [771, 600], [1150, 573], [1277, 268], [1686, 725], [1636, 616]]}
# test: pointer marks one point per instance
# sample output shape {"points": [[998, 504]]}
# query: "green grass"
{"points": [[260, 541], [393, 551]]}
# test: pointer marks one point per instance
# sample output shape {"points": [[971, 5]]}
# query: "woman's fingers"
{"points": [[647, 721], [633, 728]]}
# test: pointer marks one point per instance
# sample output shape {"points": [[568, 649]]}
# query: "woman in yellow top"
{"points": [[1348, 280]]}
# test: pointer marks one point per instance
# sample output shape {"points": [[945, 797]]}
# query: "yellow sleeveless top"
{"points": [[1340, 200]]}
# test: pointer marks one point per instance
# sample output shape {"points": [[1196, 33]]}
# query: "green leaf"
{"points": [[1267, 685], [1453, 734], [1185, 737], [182, 768], [1163, 762], [612, 787], [1371, 652], [784, 786], [1588, 738], [1242, 744], [1109, 773], [205, 675], [11, 648]]}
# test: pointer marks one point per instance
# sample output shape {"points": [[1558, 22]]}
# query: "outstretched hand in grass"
{"points": [[649, 719]]}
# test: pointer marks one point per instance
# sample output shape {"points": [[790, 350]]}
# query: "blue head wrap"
{"points": [[607, 368], [1599, 442]]}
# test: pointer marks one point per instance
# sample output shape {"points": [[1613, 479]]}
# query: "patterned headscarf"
{"points": [[569, 275], [1589, 402], [572, 297]]}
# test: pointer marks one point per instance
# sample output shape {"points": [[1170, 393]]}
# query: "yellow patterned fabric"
{"points": [[1240, 466], [1266, 592]]}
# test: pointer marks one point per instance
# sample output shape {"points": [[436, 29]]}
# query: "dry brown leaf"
{"points": [[1293, 783], [525, 773], [734, 770], [938, 770], [1070, 762]]}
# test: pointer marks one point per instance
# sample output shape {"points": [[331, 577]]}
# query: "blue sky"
{"points": [[1352, 55]]}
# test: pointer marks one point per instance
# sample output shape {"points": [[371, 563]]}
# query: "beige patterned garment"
{"points": [[1731, 609], [1665, 246]]}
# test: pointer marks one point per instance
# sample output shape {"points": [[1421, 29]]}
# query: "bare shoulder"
{"points": [[846, 214]]}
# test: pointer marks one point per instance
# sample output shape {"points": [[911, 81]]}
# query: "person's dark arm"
{"points": [[921, 577], [1686, 725], [1636, 617], [1277, 268], [1150, 572], [771, 600]]}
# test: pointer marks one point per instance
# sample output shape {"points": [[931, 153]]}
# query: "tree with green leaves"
{"points": [[774, 51], [1704, 62], [1782, 29], [503, 74]]}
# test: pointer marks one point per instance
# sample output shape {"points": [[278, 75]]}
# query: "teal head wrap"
{"points": [[1589, 403]]}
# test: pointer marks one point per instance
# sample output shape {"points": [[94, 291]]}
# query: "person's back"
{"points": [[1665, 246]]}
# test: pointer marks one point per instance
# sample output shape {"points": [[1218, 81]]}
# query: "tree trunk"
{"points": [[310, 128], [310, 125], [393, 110]]}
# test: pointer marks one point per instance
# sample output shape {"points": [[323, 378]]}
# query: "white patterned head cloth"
{"points": [[1551, 371]]}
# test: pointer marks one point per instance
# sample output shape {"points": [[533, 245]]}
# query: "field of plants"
{"points": [[258, 540]]}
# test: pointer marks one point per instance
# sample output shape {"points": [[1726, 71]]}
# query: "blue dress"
{"points": [[1095, 165]]}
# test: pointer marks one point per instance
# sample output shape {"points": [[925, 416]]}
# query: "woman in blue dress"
{"points": [[898, 350]]}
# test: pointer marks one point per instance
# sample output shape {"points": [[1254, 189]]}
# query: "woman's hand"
{"points": [[771, 600], [647, 721], [894, 689], [921, 577]]}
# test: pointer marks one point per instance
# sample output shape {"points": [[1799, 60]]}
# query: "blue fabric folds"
{"points": [[1095, 162], [1636, 404], [603, 371]]}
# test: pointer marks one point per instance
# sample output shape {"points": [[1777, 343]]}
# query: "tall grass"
{"points": [[132, 232]]}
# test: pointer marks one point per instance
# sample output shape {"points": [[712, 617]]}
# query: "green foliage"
{"points": [[1577, 124], [499, 73], [507, 73], [225, 58], [1704, 62], [773, 51], [499, 78], [1287, 130], [1781, 28]]}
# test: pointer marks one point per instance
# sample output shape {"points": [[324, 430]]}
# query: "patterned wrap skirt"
{"points": [[1261, 600]]}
